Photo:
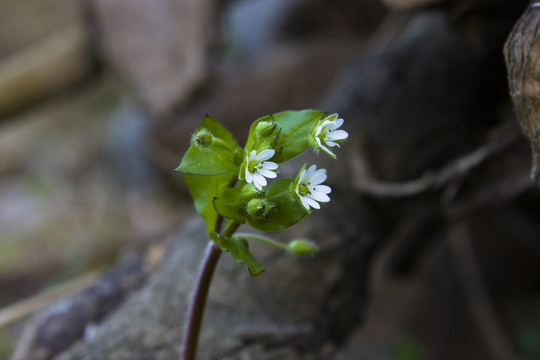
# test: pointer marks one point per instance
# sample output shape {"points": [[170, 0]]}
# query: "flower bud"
{"points": [[260, 208], [266, 128], [270, 142], [203, 138], [301, 247], [248, 192]]}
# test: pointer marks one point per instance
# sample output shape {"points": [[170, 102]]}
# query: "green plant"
{"points": [[229, 187]]}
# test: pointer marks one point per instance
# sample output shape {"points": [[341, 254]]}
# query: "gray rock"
{"points": [[159, 48]]}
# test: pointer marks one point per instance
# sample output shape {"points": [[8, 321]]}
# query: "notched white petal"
{"points": [[318, 178], [319, 196], [265, 155], [267, 173], [322, 189], [337, 123], [312, 203], [338, 135], [269, 165]]}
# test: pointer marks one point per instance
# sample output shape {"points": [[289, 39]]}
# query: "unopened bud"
{"points": [[301, 247], [260, 208], [266, 128], [203, 138], [270, 142], [248, 192]]}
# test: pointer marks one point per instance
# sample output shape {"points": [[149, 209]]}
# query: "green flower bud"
{"points": [[248, 192], [203, 138], [260, 208], [270, 142], [301, 247], [266, 128]]}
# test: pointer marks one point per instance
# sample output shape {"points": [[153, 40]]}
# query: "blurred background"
{"points": [[431, 240]]}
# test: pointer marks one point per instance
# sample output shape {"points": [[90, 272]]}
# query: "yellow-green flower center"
{"points": [[303, 189]]}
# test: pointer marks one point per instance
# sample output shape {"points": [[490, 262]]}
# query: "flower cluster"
{"points": [[230, 184], [236, 181], [307, 187]]}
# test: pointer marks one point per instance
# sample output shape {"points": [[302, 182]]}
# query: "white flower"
{"points": [[257, 168], [307, 187], [325, 134]]}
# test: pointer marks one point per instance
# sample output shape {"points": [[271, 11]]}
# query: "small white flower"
{"points": [[307, 187], [257, 168], [325, 134]]}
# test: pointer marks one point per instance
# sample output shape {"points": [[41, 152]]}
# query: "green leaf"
{"points": [[238, 248], [289, 211], [227, 205], [212, 150], [295, 128], [203, 190]]}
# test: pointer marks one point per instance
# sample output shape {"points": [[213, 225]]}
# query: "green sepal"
{"points": [[227, 205], [203, 190], [239, 250], [288, 212], [212, 157], [295, 130]]}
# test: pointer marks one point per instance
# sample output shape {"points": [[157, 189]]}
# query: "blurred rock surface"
{"points": [[158, 48]]}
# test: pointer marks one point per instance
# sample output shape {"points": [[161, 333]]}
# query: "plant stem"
{"points": [[198, 301], [263, 239], [197, 304]]}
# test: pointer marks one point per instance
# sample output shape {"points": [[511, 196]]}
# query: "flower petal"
{"points": [[269, 165], [267, 173], [265, 155], [318, 177], [301, 177], [304, 202], [318, 130], [337, 135], [337, 123], [310, 172], [249, 178], [322, 189], [319, 196], [260, 180], [331, 143], [328, 152], [312, 203]]}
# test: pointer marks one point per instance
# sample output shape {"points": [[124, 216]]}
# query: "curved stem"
{"points": [[263, 239], [198, 302]]}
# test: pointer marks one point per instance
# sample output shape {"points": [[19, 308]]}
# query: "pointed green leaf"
{"points": [[203, 190], [288, 212], [295, 128], [227, 205], [238, 248], [212, 150]]}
